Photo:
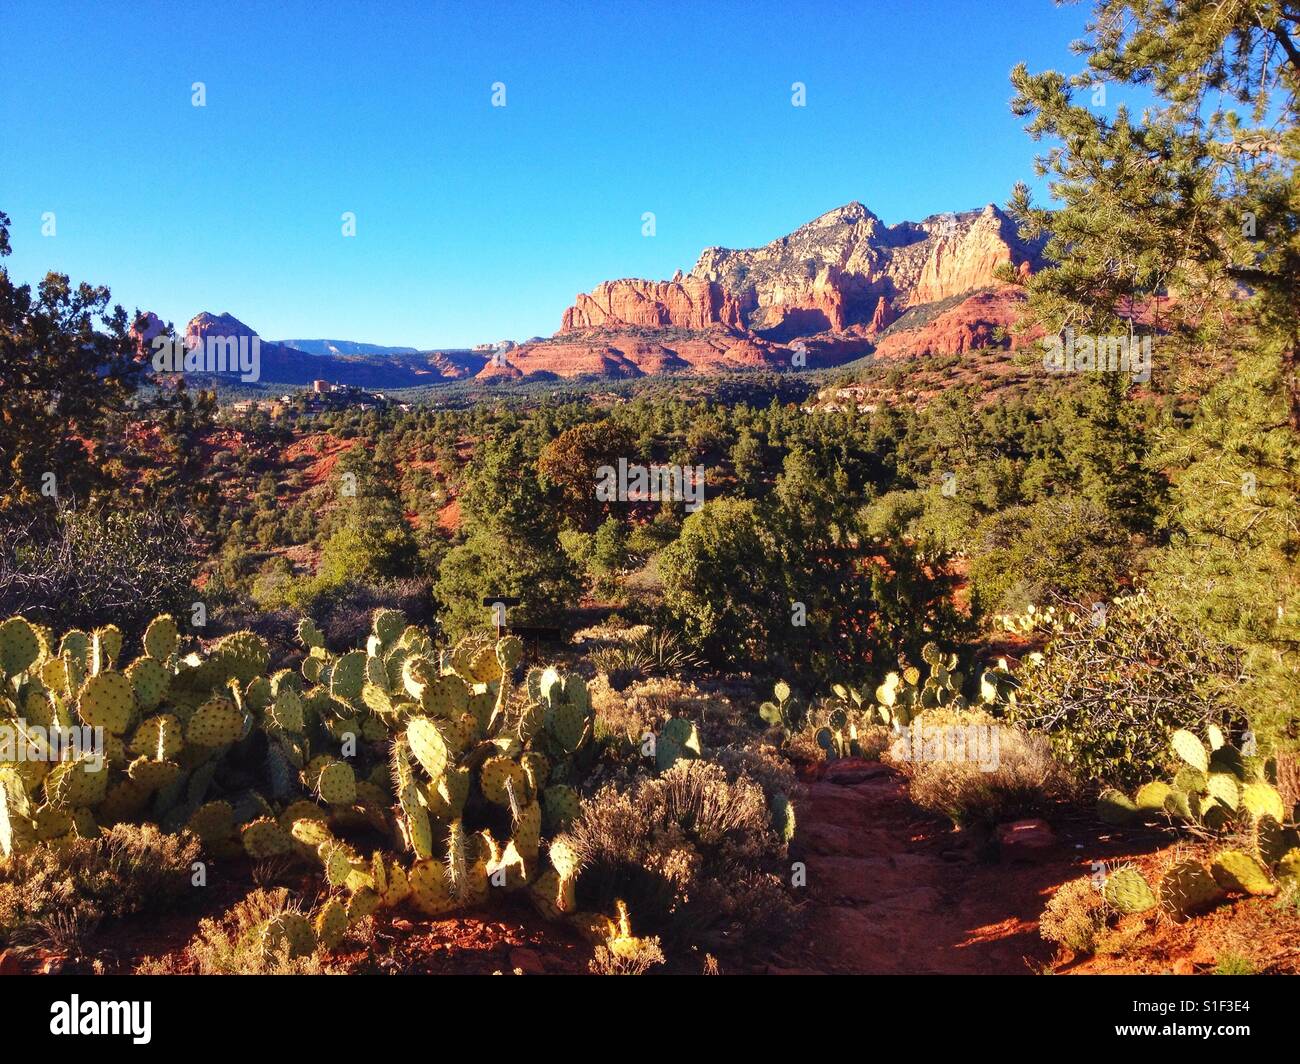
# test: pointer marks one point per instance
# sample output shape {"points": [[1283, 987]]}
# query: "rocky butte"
{"points": [[836, 288]]}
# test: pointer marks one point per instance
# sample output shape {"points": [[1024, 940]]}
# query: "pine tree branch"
{"points": [[1288, 45]]}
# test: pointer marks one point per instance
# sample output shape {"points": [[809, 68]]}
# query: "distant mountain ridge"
{"points": [[281, 363], [345, 348]]}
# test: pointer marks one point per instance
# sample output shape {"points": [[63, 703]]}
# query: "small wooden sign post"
{"points": [[498, 603]]}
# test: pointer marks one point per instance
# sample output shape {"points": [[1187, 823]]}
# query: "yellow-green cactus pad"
{"points": [[348, 675], [1125, 890], [339, 862], [162, 638], [215, 723], [158, 737], [1239, 873], [1188, 888], [107, 701], [499, 777], [429, 889], [1192, 751], [1223, 788], [105, 646], [289, 933], [1151, 796], [20, 646], [337, 784], [363, 903], [311, 831], [50, 823], [427, 745], [398, 888], [445, 696], [150, 680], [1261, 799], [300, 810], [154, 775], [71, 784], [331, 924]]}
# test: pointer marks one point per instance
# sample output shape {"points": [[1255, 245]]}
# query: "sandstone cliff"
{"points": [[824, 292], [685, 304]]}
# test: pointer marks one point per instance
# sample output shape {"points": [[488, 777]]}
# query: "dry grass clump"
{"points": [[693, 854], [1075, 916], [55, 896], [233, 944], [723, 713], [974, 769]]}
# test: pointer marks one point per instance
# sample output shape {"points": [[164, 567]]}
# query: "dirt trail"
{"points": [[893, 889]]}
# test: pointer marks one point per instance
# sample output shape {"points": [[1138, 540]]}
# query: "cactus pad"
{"points": [[162, 638], [331, 924], [150, 681], [429, 889], [427, 745], [337, 784], [107, 701], [1190, 749], [1127, 891], [20, 646], [1223, 788], [264, 838], [1187, 888], [445, 696], [290, 934], [215, 723], [1151, 796], [155, 775], [1261, 799], [561, 805], [1239, 873], [74, 784], [213, 821], [348, 676], [497, 775], [1114, 807]]}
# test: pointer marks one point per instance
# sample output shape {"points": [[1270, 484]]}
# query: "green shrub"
{"points": [[693, 855], [1108, 695]]}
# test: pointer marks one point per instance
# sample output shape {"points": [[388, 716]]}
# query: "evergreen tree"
{"points": [[1197, 198], [511, 546]]}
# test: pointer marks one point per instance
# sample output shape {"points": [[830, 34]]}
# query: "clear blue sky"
{"points": [[477, 223]]}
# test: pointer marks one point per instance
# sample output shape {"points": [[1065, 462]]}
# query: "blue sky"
{"points": [[478, 223]]}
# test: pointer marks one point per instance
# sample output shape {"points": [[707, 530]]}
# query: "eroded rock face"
{"points": [[844, 278], [616, 353], [984, 319], [688, 303], [836, 270]]}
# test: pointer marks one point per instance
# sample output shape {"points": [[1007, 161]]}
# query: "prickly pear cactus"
{"points": [[1188, 888], [1127, 891]]}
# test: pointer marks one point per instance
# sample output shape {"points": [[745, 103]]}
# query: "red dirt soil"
{"points": [[891, 889]]}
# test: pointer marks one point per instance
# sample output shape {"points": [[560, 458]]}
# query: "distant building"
{"points": [[320, 387]]}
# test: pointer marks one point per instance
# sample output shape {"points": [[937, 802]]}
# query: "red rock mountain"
{"points": [[824, 292]]}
